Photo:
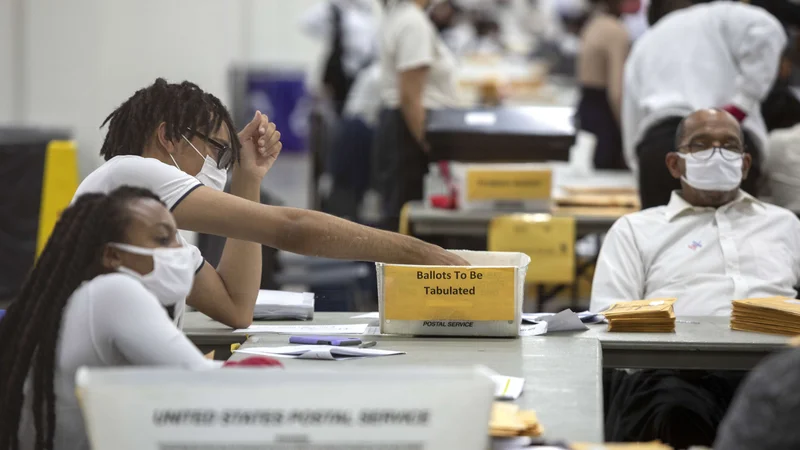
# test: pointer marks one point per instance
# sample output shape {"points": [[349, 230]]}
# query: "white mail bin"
{"points": [[483, 299]]}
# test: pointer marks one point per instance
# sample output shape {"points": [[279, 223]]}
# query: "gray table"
{"points": [[705, 343], [563, 372], [563, 375], [442, 222]]}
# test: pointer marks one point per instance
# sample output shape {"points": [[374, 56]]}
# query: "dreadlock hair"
{"points": [[183, 107], [30, 329]]}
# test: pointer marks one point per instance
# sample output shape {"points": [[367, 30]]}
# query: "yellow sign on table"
{"points": [[443, 293], [509, 184], [549, 241]]}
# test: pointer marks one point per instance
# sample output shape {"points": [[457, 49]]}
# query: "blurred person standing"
{"points": [[418, 74], [349, 28], [605, 44], [720, 54]]}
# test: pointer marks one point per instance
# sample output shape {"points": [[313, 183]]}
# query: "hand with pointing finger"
{"points": [[261, 145]]}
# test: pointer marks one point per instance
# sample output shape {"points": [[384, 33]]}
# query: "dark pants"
{"points": [[595, 115], [400, 165], [656, 183], [350, 164], [679, 408]]}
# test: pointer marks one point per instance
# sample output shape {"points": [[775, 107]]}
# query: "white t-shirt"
{"points": [[112, 320], [169, 183], [410, 41]]}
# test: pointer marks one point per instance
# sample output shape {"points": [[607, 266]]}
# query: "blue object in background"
{"points": [[281, 95], [2, 313]]}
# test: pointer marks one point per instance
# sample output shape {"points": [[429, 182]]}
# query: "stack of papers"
{"points": [[322, 330], [282, 305], [775, 315], [645, 316], [319, 352], [655, 445], [508, 421]]}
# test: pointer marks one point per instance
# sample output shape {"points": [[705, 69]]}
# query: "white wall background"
{"points": [[8, 10], [81, 58]]}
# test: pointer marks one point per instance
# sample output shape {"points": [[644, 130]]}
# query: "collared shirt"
{"points": [[704, 257], [705, 56]]}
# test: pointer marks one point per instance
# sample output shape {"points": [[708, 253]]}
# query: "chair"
{"points": [[548, 240]]}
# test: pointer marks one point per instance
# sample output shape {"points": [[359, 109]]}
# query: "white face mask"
{"points": [[173, 271], [210, 175], [711, 170]]}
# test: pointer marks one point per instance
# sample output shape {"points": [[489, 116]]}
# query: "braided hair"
{"points": [[30, 329], [183, 107]]}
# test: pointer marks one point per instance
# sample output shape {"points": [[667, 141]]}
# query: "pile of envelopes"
{"points": [[775, 315], [508, 421], [654, 315], [655, 445]]}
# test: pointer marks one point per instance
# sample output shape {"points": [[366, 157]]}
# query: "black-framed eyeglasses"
{"points": [[699, 151], [224, 152]]}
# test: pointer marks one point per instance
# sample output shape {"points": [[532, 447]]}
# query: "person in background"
{"points": [[720, 54], [96, 297], [764, 413], [712, 243], [350, 158], [350, 28], [179, 142], [601, 61], [418, 74]]}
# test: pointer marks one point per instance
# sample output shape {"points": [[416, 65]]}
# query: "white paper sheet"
{"points": [[372, 315], [318, 352], [585, 316], [507, 388], [564, 321], [323, 330]]}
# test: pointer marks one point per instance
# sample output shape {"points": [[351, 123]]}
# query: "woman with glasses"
{"points": [[179, 142]]}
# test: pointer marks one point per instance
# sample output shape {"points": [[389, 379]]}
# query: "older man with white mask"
{"points": [[711, 244]]}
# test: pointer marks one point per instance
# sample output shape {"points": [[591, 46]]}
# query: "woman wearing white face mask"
{"points": [[96, 297], [179, 142]]}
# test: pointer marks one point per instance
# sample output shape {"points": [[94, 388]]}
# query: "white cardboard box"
{"points": [[484, 299]]}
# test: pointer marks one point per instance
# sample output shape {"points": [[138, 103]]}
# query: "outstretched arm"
{"points": [[302, 231]]}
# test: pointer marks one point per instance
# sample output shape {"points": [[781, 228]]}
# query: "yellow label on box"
{"points": [[549, 241], [447, 294], [509, 184]]}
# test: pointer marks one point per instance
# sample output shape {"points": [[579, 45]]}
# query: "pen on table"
{"points": [[368, 344]]}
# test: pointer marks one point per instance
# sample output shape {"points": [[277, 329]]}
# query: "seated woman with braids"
{"points": [[179, 142], [97, 297]]}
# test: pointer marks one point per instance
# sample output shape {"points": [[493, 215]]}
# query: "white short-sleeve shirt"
{"points": [[112, 320], [169, 183], [410, 41]]}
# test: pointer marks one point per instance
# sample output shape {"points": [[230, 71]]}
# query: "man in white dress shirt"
{"points": [[711, 244], [720, 54]]}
